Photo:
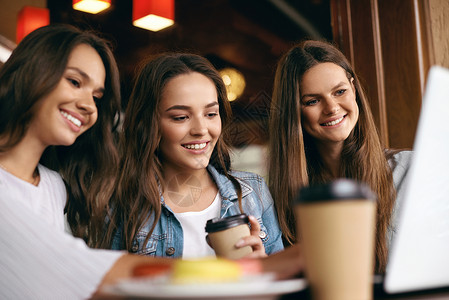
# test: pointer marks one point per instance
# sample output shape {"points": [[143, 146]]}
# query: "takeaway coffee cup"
{"points": [[224, 234], [336, 227]]}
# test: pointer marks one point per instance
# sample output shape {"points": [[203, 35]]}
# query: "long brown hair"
{"points": [[138, 193], [88, 167], [294, 162]]}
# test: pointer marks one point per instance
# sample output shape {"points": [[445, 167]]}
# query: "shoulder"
{"points": [[48, 172], [52, 182], [400, 160], [242, 175], [253, 184], [249, 183], [245, 178], [255, 181], [400, 163]]}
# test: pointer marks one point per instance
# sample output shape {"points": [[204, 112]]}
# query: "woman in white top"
{"points": [[60, 87]]}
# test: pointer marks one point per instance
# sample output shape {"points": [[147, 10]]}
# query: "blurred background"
{"points": [[392, 45]]}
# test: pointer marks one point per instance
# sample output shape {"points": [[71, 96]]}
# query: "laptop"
{"points": [[419, 254]]}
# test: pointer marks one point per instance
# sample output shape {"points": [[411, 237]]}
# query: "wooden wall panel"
{"points": [[439, 20], [400, 60], [368, 58], [388, 43]]}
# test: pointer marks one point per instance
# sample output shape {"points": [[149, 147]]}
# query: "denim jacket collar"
{"points": [[225, 186]]}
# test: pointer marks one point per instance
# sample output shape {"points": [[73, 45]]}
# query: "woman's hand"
{"points": [[285, 264], [253, 240]]}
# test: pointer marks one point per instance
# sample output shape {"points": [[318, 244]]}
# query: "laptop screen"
{"points": [[419, 254]]}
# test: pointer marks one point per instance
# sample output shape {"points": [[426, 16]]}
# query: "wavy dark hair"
{"points": [[294, 161], [140, 179], [89, 166]]}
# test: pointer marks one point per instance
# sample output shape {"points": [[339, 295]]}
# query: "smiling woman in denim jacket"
{"points": [[175, 166]]}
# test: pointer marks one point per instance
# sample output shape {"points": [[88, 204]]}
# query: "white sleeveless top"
{"points": [[193, 226]]}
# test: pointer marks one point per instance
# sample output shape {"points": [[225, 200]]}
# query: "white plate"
{"points": [[249, 289]]}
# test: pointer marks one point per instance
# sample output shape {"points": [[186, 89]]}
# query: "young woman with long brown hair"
{"points": [[59, 98], [175, 167], [325, 130]]}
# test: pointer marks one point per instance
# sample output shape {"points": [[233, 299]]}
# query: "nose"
{"points": [[87, 104], [331, 106], [198, 126]]}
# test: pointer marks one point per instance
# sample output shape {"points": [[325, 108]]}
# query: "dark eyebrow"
{"points": [[185, 107], [333, 88], [85, 76], [212, 104]]}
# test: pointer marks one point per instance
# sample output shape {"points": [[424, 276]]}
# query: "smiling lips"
{"points": [[71, 118], [195, 146], [334, 122]]}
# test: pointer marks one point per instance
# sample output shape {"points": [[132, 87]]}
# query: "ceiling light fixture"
{"points": [[234, 82], [153, 15], [91, 6], [29, 19]]}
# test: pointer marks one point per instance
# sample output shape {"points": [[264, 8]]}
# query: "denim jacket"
{"points": [[167, 238]]}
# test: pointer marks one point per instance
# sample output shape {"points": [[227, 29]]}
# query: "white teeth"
{"points": [[335, 122], [71, 118], [195, 146]]}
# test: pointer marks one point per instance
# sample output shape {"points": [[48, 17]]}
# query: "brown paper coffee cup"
{"points": [[336, 226], [225, 233]]}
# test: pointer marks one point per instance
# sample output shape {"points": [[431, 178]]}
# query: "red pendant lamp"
{"points": [[91, 6], [29, 19], [153, 15]]}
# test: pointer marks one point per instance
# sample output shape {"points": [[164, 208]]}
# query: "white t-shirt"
{"points": [[38, 259], [193, 227]]}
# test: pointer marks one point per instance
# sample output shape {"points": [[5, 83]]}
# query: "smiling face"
{"points": [[328, 104], [190, 122], [70, 109]]}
